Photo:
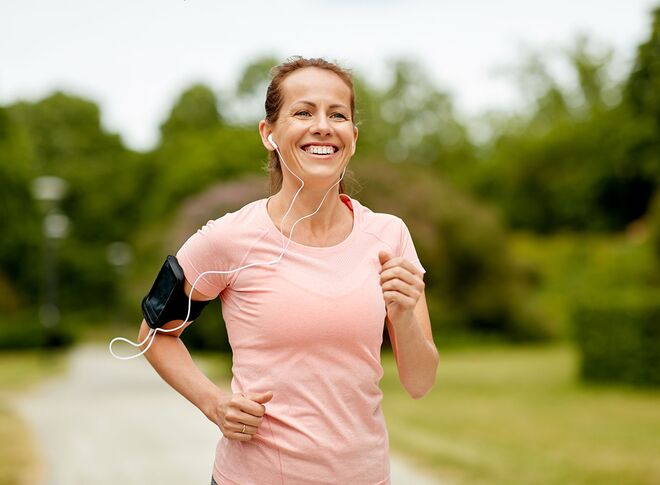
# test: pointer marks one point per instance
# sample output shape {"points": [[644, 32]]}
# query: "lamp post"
{"points": [[49, 191]]}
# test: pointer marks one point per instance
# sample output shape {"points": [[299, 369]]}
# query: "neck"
{"points": [[306, 203]]}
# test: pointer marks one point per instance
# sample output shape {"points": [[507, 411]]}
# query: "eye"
{"points": [[303, 112], [339, 115]]}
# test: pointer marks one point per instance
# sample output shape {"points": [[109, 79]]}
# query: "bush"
{"points": [[24, 331], [619, 338]]}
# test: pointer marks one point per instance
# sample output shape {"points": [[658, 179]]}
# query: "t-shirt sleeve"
{"points": [[407, 247], [201, 253]]}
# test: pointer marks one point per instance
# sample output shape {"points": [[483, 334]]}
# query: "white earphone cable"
{"points": [[152, 332]]}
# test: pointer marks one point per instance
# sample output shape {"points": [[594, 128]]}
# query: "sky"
{"points": [[134, 58]]}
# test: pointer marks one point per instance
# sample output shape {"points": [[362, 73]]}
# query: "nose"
{"points": [[321, 126]]}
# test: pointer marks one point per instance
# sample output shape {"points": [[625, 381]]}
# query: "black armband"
{"points": [[167, 300]]}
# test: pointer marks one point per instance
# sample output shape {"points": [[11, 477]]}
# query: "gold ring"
{"points": [[243, 430]]}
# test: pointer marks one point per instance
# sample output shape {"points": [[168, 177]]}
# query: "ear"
{"points": [[355, 138], [264, 131]]}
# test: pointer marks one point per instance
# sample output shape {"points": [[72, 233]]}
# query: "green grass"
{"points": [[19, 462], [502, 415]]}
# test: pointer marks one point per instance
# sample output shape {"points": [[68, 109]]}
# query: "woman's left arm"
{"points": [[409, 324]]}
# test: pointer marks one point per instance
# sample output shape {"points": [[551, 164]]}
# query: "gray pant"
{"points": [[213, 482]]}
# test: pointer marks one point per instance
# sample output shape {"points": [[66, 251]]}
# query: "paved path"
{"points": [[111, 422]]}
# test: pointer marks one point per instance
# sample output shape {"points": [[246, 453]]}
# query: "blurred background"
{"points": [[520, 143]]}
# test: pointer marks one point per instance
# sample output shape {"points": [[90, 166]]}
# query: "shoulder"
{"points": [[246, 219], [229, 233], [250, 212], [378, 223], [389, 230]]}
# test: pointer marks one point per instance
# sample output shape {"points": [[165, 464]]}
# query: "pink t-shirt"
{"points": [[309, 328]]}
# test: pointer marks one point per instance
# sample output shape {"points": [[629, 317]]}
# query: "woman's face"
{"points": [[314, 131]]}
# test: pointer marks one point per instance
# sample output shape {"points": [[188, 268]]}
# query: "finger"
{"points": [[383, 257], [408, 265], [238, 436], [395, 261], [401, 287], [261, 398], [237, 416], [403, 274], [397, 273], [238, 428], [404, 263], [245, 402], [400, 298], [250, 407]]}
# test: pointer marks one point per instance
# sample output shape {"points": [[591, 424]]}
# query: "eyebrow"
{"points": [[313, 105]]}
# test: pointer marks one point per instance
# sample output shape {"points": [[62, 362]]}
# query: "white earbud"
{"points": [[272, 142]]}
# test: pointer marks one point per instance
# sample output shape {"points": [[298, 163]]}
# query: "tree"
{"points": [[412, 120], [570, 163], [62, 135], [195, 111], [642, 96]]}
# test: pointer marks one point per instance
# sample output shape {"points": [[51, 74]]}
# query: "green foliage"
{"points": [[619, 337], [196, 150], [24, 331], [643, 87], [255, 78], [410, 119], [571, 266], [195, 111], [584, 158], [61, 135], [189, 163], [654, 227], [20, 217], [573, 175]]}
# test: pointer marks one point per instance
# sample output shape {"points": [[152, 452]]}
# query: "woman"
{"points": [[305, 332]]}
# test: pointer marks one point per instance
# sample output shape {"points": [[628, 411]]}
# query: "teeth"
{"points": [[318, 150]]}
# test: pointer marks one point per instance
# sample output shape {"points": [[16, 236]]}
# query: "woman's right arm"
{"points": [[169, 356]]}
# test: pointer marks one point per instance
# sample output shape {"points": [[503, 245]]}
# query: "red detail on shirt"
{"points": [[346, 200]]}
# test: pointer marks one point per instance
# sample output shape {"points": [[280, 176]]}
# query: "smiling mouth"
{"points": [[322, 151]]}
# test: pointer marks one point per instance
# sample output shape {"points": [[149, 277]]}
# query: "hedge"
{"points": [[618, 336]]}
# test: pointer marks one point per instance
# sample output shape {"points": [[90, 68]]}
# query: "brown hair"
{"points": [[275, 98]]}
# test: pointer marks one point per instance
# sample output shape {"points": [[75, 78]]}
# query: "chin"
{"points": [[321, 174]]}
